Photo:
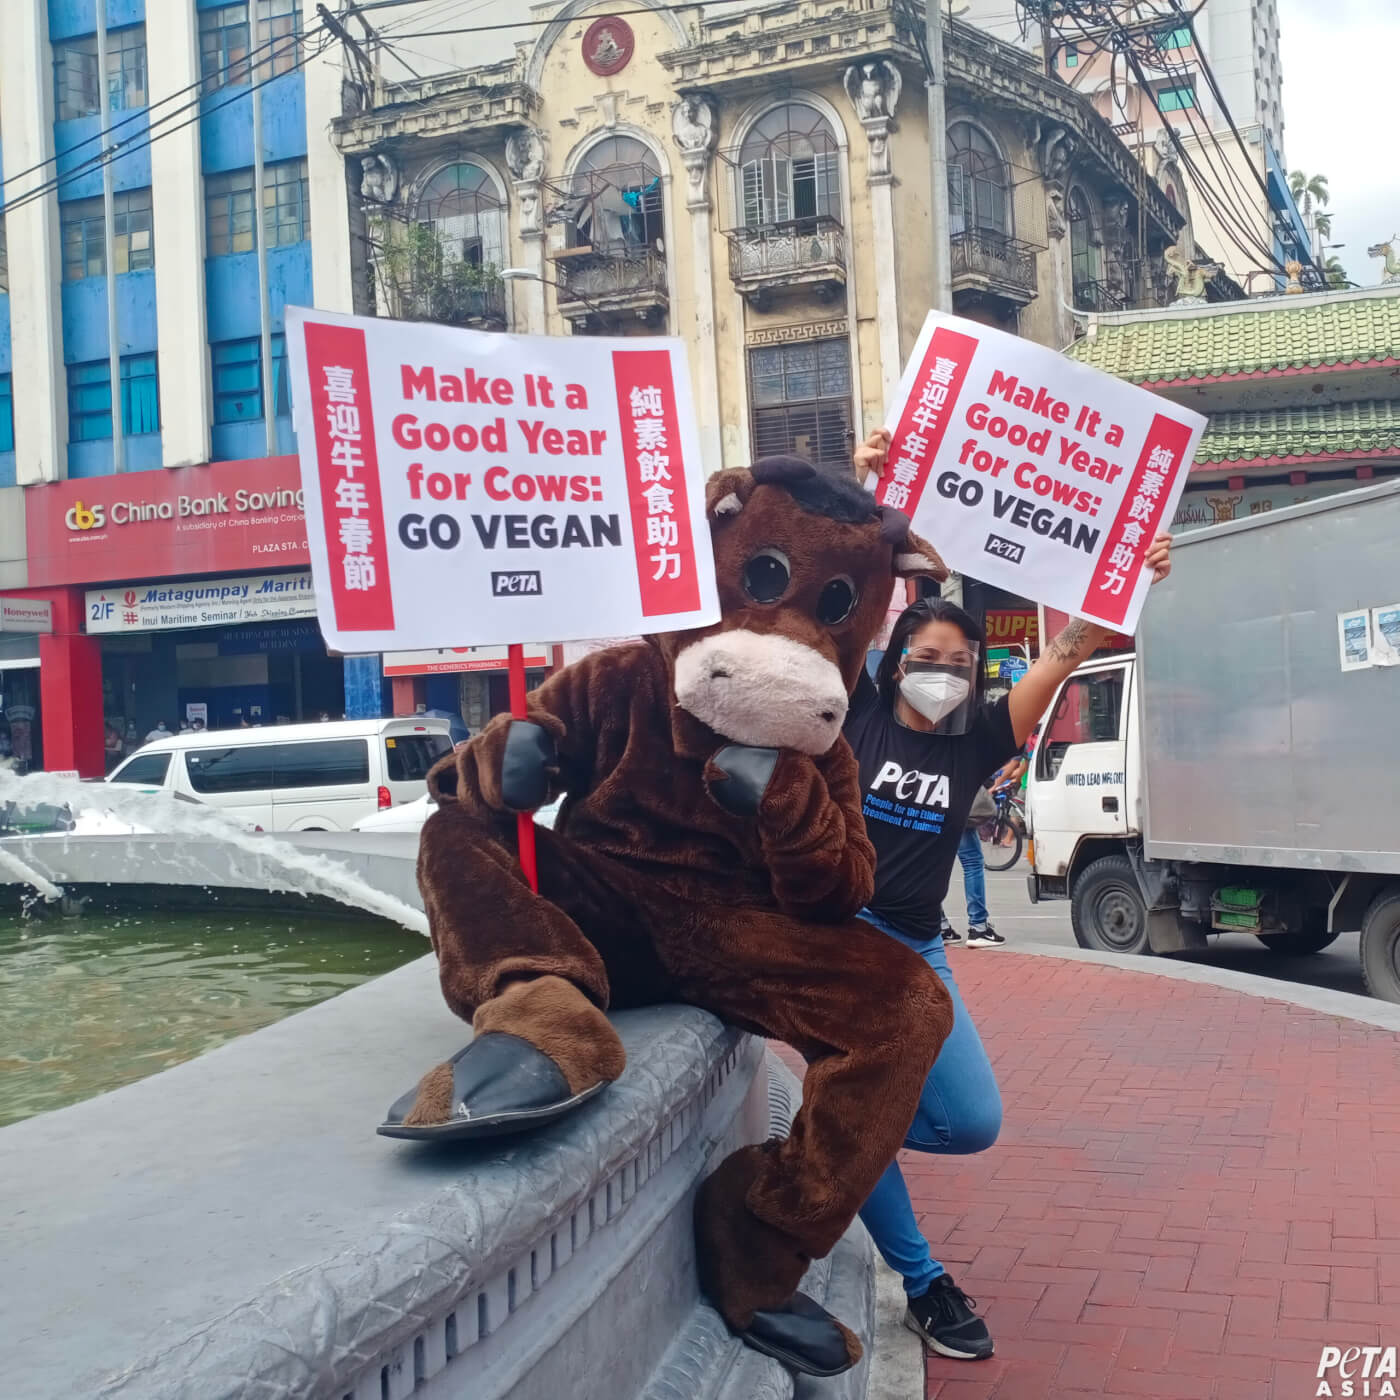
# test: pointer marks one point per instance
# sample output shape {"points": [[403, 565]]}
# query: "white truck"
{"points": [[1239, 771]]}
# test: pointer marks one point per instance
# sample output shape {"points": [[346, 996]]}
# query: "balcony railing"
{"points": [[611, 279], [451, 304], [1098, 296], [795, 253], [994, 264]]}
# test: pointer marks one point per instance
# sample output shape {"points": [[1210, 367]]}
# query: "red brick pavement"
{"points": [[1194, 1190]]}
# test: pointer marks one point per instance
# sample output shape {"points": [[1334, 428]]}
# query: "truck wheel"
{"points": [[1301, 943], [1107, 908], [1380, 946]]}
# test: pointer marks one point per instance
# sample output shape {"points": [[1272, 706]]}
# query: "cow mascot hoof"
{"points": [[710, 850]]}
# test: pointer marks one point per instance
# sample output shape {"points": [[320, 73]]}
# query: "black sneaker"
{"points": [[945, 1319], [986, 937], [950, 934]]}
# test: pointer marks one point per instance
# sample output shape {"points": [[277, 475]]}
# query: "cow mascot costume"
{"points": [[710, 850]]}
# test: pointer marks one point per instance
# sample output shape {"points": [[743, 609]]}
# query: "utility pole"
{"points": [[939, 206], [269, 389], [114, 346]]}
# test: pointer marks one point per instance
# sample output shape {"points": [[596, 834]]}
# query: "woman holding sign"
{"points": [[925, 744]]}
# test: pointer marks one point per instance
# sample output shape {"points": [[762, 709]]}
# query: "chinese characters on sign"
{"points": [[472, 489], [1139, 518], [1012, 460], [646, 404], [351, 532], [343, 426]]}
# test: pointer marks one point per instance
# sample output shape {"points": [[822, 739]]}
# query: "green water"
{"points": [[89, 1004]]}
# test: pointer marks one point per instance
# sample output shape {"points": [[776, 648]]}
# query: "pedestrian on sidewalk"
{"points": [[925, 743], [980, 933]]}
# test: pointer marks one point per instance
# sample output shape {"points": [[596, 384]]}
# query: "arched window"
{"points": [[1083, 250], [461, 205], [977, 183], [617, 196], [791, 167]]}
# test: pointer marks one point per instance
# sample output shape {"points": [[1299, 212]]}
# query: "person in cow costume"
{"points": [[710, 850]]}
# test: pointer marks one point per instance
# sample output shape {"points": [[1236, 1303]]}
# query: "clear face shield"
{"points": [[941, 685]]}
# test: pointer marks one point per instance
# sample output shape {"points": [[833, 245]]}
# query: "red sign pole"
{"points": [[525, 821]]}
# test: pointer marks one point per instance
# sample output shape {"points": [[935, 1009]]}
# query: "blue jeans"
{"points": [[974, 879], [959, 1113]]}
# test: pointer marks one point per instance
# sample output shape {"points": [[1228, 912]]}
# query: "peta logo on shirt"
{"points": [[927, 789]]}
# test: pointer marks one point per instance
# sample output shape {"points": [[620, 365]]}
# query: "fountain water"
{"points": [[29, 875], [294, 871]]}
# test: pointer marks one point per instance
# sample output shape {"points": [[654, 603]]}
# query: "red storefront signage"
{"points": [[1009, 627], [179, 522], [1056, 622]]}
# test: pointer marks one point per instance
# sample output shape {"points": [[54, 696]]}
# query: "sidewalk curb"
{"points": [[1382, 1015], [897, 1369]]}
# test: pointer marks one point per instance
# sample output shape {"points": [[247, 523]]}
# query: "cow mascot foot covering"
{"points": [[710, 850]]}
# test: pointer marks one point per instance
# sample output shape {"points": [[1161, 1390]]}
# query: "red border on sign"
{"points": [[944, 344], [644, 370], [368, 609], [1176, 438]]}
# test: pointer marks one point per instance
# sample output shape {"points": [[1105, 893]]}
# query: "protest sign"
{"points": [[1032, 472], [468, 488]]}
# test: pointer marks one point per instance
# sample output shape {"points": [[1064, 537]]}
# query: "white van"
{"points": [[295, 777]]}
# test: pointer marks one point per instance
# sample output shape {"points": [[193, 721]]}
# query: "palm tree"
{"points": [[1336, 273], [1313, 197]]}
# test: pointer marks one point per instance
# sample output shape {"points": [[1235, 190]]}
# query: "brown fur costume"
{"points": [[651, 891]]}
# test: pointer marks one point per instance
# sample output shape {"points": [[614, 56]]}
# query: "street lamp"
{"points": [[528, 274]]}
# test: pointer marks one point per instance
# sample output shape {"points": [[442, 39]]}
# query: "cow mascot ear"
{"points": [[727, 493], [914, 557]]}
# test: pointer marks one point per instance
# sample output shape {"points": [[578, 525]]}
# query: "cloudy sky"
{"points": [[1339, 81]]}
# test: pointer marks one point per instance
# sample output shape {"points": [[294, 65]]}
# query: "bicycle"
{"points": [[1003, 836]]}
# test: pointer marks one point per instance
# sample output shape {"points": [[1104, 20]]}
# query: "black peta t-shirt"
{"points": [[918, 789]]}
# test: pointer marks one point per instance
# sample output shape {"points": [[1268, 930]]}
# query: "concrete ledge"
{"points": [[233, 1228], [1384, 1014]]}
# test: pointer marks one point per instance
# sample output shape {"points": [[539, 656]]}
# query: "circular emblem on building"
{"points": [[608, 45]]}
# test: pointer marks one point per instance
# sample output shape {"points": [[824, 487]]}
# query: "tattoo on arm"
{"points": [[1068, 645]]}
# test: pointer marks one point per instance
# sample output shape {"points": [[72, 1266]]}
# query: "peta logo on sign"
{"points": [[1004, 549], [81, 517], [1359, 1372], [517, 585]]}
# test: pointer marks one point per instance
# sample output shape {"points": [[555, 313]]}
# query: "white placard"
{"points": [[1032, 472], [467, 488], [25, 615], [154, 607], [1385, 634], [1354, 639]]}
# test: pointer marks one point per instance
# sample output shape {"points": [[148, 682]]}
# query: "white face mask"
{"points": [[934, 694]]}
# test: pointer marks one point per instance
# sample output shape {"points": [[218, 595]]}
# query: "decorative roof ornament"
{"points": [[1192, 277], [1390, 251]]}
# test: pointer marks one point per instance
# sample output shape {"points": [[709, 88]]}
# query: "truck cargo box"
{"points": [[1258, 747]]}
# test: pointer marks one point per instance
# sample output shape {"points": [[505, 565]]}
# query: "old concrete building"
{"points": [[754, 182]]}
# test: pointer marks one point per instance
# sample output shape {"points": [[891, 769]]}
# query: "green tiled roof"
{"points": [[1313, 431], [1160, 350]]}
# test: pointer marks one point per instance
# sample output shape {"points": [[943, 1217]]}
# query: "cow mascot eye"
{"points": [[767, 575], [837, 601]]}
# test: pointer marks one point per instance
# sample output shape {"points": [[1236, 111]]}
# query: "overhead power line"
{"points": [[138, 114], [133, 144]]}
